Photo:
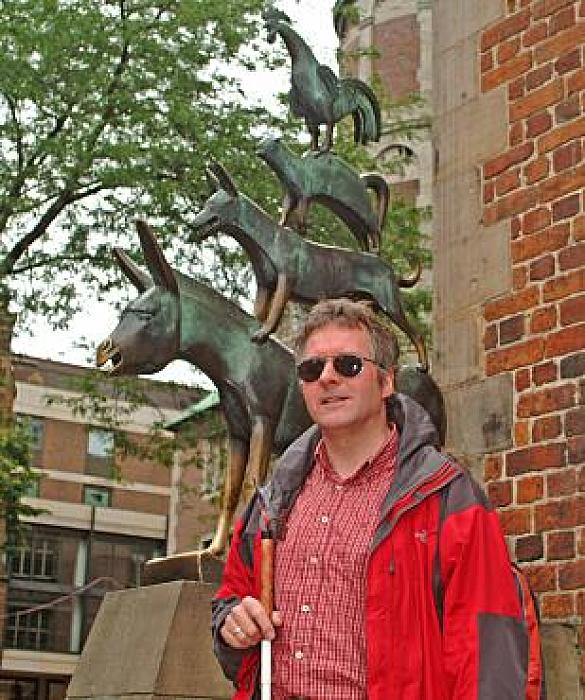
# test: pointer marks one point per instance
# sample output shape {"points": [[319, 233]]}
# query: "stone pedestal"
{"points": [[151, 643]]}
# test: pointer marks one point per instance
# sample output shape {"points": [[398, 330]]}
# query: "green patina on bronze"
{"points": [[176, 317], [318, 95], [327, 179], [287, 266]]}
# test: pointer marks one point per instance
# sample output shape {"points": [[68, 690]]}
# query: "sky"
{"points": [[312, 20]]}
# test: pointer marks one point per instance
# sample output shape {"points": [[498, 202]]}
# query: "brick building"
{"points": [[103, 517], [505, 175], [399, 32], [509, 282]]}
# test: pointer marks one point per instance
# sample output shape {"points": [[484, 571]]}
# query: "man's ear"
{"points": [[387, 382]]}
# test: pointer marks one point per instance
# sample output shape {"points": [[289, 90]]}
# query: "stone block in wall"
{"points": [[471, 263], [455, 349], [467, 134], [455, 21], [480, 416], [456, 81], [561, 658]]}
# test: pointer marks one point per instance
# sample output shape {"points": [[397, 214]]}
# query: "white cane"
{"points": [[267, 600]]}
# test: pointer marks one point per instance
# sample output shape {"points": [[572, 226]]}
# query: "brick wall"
{"points": [[398, 42], [536, 332]]}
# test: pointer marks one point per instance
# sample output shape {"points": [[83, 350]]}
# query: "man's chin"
{"points": [[332, 420]]}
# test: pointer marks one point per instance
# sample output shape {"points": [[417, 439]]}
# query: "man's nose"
{"points": [[329, 373]]}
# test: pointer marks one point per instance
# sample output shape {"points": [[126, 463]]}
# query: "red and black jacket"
{"points": [[444, 615]]}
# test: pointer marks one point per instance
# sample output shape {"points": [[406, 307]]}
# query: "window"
{"points": [[27, 629], [33, 490], [212, 457], [35, 559], [97, 496], [35, 428], [100, 443], [100, 453]]}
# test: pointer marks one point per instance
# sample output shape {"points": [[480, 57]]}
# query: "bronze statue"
{"points": [[318, 95], [176, 317], [327, 179], [289, 267]]}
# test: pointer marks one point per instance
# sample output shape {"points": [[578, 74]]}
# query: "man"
{"points": [[392, 578]]}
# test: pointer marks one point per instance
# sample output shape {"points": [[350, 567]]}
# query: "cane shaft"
{"points": [[267, 574]]}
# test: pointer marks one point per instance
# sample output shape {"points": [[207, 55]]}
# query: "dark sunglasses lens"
{"points": [[310, 370], [348, 365]]}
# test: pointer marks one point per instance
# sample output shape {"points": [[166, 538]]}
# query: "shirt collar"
{"points": [[383, 460]]}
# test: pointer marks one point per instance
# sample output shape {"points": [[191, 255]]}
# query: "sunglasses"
{"points": [[346, 365]]}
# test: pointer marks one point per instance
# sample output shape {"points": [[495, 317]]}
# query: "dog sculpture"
{"points": [[327, 179], [287, 266]]}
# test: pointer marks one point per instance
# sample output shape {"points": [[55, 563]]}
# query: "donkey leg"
{"points": [[289, 206], [277, 304], [260, 448], [232, 489], [261, 303]]}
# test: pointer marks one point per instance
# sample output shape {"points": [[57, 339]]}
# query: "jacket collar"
{"points": [[418, 460]]}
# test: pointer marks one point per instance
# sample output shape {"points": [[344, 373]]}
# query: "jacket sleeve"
{"points": [[237, 583], [485, 640]]}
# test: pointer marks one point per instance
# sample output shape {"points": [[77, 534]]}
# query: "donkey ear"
{"points": [[139, 279], [161, 271], [225, 181]]}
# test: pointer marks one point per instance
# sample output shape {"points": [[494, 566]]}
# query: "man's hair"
{"points": [[350, 314]]}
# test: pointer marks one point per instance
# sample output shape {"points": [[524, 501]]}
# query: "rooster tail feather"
{"points": [[358, 134], [366, 110]]}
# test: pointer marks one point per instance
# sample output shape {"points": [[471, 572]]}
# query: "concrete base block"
{"points": [[151, 643]]}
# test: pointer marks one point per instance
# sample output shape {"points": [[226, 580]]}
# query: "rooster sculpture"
{"points": [[318, 95]]}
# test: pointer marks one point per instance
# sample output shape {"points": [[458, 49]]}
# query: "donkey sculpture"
{"points": [[328, 180], [287, 266], [176, 317]]}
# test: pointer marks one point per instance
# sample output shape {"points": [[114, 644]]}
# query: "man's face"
{"points": [[335, 402]]}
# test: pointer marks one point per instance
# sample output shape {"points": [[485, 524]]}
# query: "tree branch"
{"points": [[68, 195], [35, 159], [63, 200], [50, 261], [18, 129]]}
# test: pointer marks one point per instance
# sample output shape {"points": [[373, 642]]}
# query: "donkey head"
{"points": [[221, 208], [148, 334]]}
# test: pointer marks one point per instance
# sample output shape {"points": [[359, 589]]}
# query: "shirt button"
{"points": [[338, 487], [305, 608], [298, 654], [324, 519], [314, 559]]}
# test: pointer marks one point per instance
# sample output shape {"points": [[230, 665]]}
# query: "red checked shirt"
{"points": [[320, 580]]}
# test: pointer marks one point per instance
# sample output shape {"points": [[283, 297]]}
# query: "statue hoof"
{"points": [[201, 565], [260, 336]]}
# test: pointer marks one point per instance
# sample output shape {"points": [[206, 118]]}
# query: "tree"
{"points": [[17, 478], [109, 110]]}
